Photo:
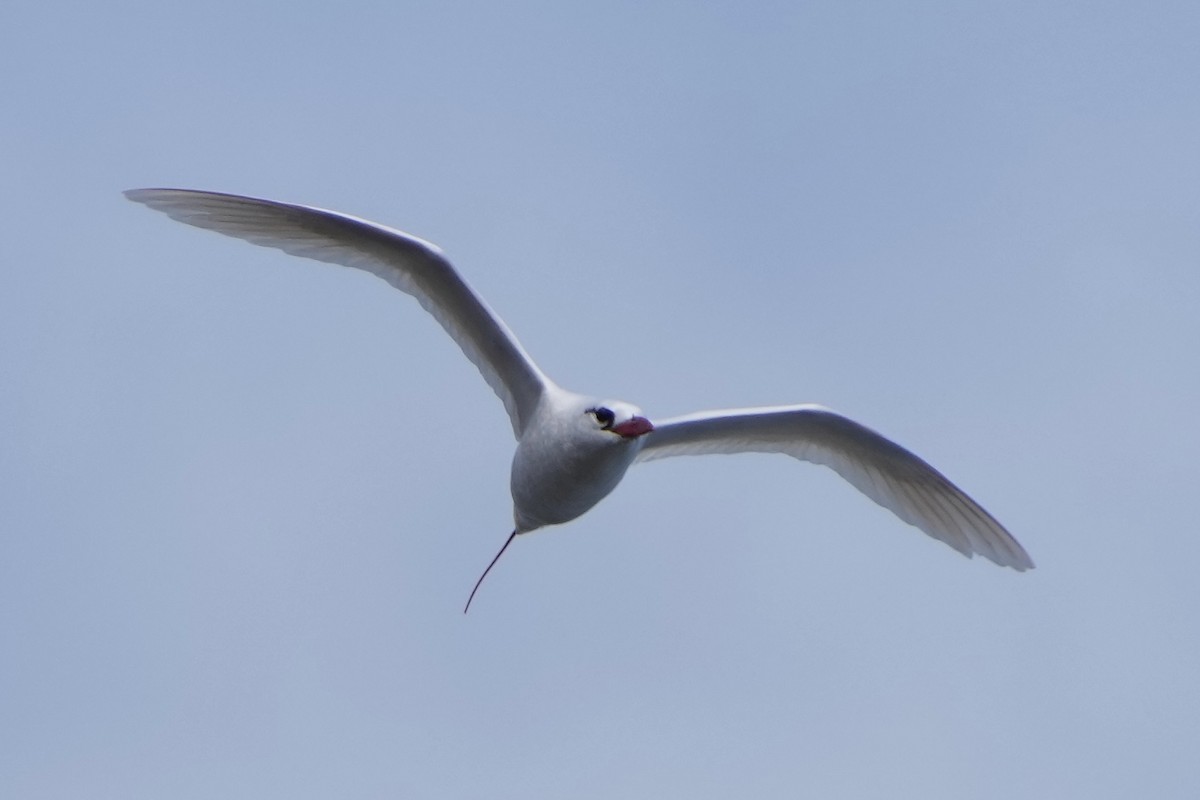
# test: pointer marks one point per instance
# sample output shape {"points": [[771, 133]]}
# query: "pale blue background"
{"points": [[244, 496]]}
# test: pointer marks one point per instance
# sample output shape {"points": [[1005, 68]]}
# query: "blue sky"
{"points": [[245, 496]]}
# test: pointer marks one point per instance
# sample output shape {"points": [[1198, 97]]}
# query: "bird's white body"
{"points": [[573, 450], [565, 463]]}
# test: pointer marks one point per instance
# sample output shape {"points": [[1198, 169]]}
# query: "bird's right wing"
{"points": [[411, 265], [876, 466]]}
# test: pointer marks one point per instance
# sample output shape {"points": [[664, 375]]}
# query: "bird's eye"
{"points": [[603, 415]]}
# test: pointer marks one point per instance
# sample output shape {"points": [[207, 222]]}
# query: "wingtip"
{"points": [[1018, 558], [151, 194], [1020, 562], [143, 195]]}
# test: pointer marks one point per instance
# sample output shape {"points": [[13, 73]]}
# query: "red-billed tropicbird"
{"points": [[572, 450]]}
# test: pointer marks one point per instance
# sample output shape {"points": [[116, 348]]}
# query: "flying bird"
{"points": [[573, 449]]}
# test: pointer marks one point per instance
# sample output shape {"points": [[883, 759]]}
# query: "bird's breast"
{"points": [[555, 481]]}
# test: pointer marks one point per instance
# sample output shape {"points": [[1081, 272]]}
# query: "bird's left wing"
{"points": [[412, 265], [878, 467]]}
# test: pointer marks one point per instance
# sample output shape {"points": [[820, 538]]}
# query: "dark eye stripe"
{"points": [[603, 415]]}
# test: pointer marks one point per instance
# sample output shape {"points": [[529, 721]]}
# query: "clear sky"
{"points": [[243, 497]]}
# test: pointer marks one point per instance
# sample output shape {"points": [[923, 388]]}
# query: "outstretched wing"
{"points": [[411, 265], [878, 467]]}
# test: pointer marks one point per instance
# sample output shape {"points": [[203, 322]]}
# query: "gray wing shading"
{"points": [[876, 466], [411, 265]]}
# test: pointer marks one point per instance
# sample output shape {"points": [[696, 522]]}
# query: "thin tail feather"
{"points": [[479, 582]]}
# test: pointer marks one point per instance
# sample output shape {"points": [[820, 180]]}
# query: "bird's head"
{"points": [[615, 419]]}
